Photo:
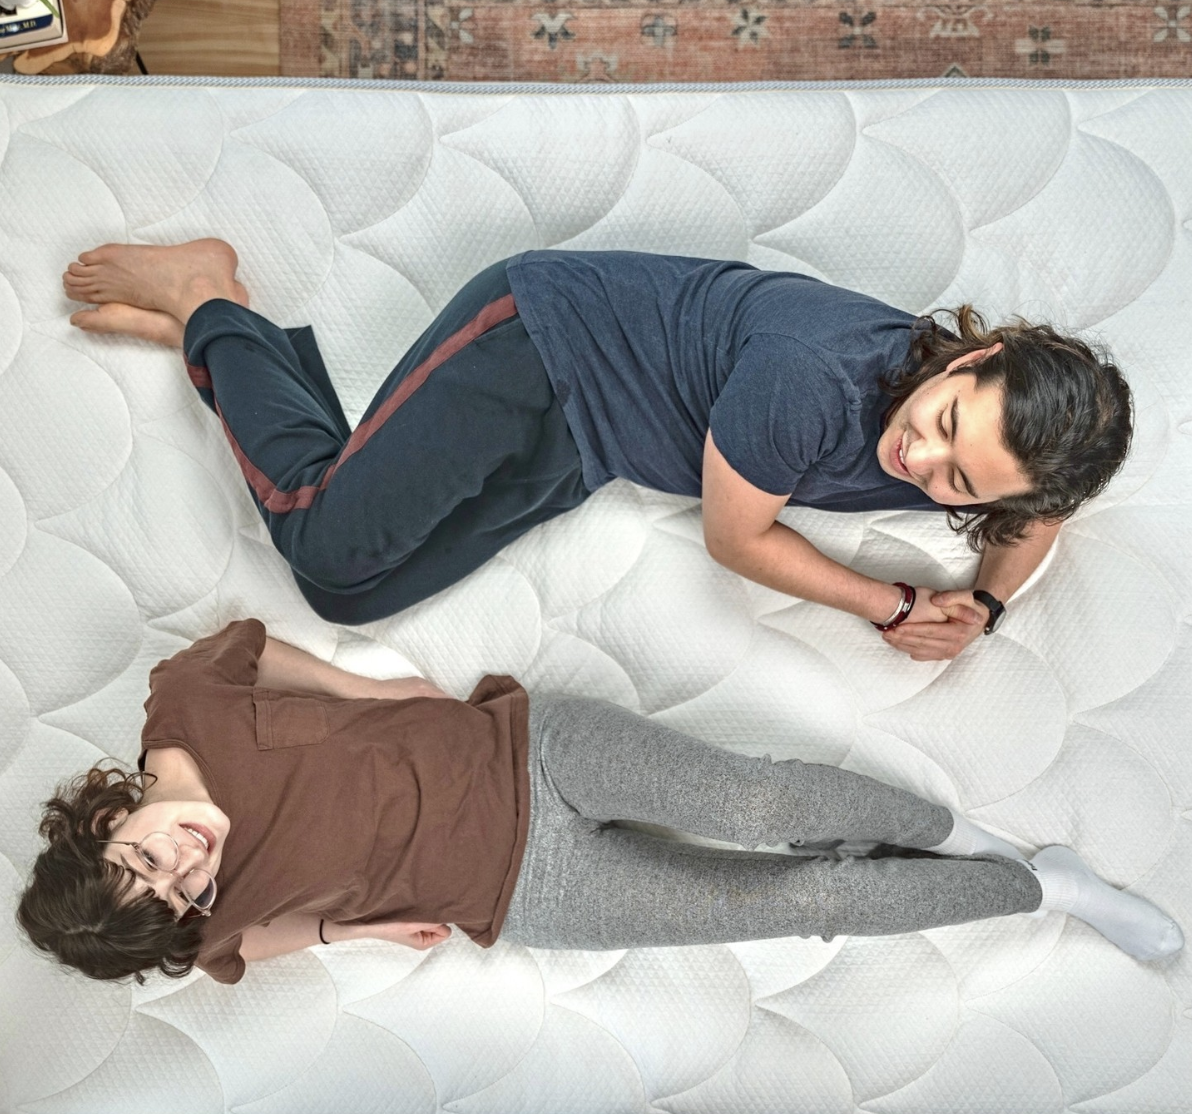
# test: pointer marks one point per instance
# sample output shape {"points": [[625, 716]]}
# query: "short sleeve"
{"points": [[492, 687], [230, 657], [224, 963], [781, 410], [189, 695]]}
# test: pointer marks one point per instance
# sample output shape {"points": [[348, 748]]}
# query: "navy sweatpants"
{"points": [[463, 449]]}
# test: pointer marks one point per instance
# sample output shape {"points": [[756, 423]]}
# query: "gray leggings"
{"points": [[586, 884]]}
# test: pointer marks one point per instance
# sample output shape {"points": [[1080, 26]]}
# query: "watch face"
{"points": [[995, 620]]}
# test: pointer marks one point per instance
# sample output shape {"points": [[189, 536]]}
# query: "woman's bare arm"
{"points": [[296, 931], [282, 666]]}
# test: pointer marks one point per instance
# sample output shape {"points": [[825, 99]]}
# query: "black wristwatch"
{"points": [[997, 609]]}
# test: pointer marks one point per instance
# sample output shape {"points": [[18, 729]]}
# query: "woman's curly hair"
{"points": [[1066, 415], [79, 905]]}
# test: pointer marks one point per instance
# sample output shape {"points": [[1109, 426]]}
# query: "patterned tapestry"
{"points": [[742, 40]]}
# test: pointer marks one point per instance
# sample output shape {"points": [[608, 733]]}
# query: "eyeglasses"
{"points": [[160, 853]]}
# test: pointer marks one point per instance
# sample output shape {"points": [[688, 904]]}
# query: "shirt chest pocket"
{"points": [[287, 720]]}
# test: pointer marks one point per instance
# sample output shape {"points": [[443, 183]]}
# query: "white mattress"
{"points": [[125, 531]]}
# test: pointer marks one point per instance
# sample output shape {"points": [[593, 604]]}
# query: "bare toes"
{"points": [[124, 320], [77, 293], [97, 255]]}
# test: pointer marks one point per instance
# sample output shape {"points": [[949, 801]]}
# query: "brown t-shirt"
{"points": [[354, 810]]}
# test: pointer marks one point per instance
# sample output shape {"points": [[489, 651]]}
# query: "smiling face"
{"points": [[946, 439], [198, 827]]}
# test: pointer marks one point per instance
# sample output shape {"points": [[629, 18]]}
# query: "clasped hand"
{"points": [[940, 625], [411, 934]]}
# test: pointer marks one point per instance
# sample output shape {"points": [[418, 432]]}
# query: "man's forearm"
{"points": [[786, 561], [1006, 568]]}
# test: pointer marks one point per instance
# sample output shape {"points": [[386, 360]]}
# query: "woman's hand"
{"points": [[940, 625], [418, 936]]}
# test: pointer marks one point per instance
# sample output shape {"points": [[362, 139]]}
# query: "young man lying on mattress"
{"points": [[554, 372], [284, 803]]}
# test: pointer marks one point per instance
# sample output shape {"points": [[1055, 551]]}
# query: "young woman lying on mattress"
{"points": [[285, 803], [554, 372]]}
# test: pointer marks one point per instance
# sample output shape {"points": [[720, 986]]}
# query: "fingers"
{"points": [[429, 937], [962, 614], [931, 641], [926, 651], [959, 605]]}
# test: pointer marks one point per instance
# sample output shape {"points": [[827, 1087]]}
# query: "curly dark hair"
{"points": [[78, 905], [1067, 416]]}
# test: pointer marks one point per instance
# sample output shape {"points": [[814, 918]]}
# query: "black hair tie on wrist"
{"points": [[322, 939]]}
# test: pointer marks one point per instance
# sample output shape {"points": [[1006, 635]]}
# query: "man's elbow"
{"points": [[724, 547]]}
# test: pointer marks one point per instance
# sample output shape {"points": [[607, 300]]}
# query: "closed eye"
{"points": [[950, 436], [955, 420], [939, 424]]}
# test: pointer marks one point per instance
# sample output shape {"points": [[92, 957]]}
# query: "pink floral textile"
{"points": [[751, 40]]}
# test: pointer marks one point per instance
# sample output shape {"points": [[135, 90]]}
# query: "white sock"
{"points": [[1137, 927], [967, 839]]}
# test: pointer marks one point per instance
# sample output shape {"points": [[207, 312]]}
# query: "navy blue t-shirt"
{"points": [[648, 352]]}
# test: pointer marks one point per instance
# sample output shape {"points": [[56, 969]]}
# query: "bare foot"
{"points": [[122, 320], [174, 280]]}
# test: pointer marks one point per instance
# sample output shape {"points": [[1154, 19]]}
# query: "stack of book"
{"points": [[29, 23]]}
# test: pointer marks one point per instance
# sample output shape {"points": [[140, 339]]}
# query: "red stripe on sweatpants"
{"points": [[282, 502], [199, 376]]}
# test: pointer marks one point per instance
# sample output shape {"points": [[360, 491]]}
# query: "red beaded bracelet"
{"points": [[904, 608]]}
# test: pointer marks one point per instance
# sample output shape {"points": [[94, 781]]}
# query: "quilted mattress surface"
{"points": [[125, 532]]}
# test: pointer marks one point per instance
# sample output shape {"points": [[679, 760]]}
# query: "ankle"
{"points": [[198, 291], [1134, 924], [1060, 887], [967, 838]]}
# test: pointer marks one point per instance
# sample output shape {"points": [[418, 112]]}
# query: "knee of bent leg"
{"points": [[333, 560], [345, 608], [328, 576]]}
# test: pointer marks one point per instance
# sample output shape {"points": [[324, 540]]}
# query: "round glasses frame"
{"points": [[192, 906]]}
